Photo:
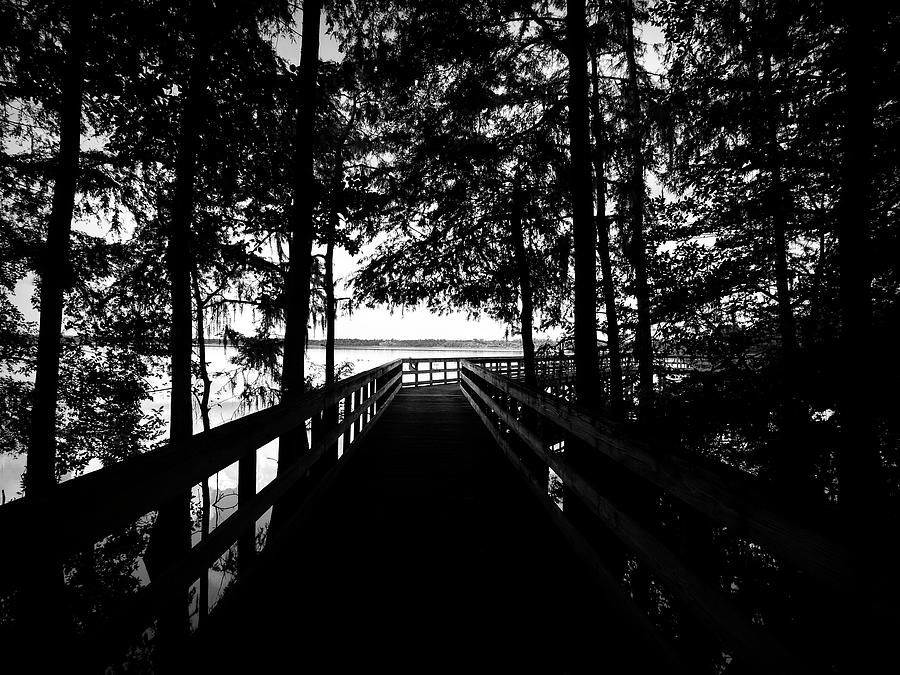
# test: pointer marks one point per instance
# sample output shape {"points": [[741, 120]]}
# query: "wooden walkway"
{"points": [[426, 550], [427, 555]]}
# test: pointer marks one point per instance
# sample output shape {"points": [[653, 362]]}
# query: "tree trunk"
{"points": [[56, 269], [792, 463], [588, 386], [643, 341], [206, 504], [292, 446], [330, 305], [521, 256], [640, 496], [330, 309], [862, 490], [331, 414], [293, 379], [205, 379], [587, 379], [42, 605], [616, 393], [171, 536]]}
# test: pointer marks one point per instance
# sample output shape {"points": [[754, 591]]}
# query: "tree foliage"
{"points": [[743, 177]]}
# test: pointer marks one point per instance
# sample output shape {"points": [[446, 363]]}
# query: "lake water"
{"points": [[226, 404]]}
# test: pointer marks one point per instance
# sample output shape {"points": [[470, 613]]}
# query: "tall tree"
{"points": [[613, 339], [302, 232], [583, 223], [637, 247], [172, 530], [526, 298], [794, 465], [56, 266], [861, 486], [330, 417], [41, 603]]}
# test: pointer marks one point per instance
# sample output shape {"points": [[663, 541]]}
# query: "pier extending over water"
{"points": [[442, 515]]}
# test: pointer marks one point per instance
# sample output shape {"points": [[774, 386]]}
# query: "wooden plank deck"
{"points": [[426, 556]]}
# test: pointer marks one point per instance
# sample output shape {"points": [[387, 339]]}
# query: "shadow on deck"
{"points": [[427, 555]]}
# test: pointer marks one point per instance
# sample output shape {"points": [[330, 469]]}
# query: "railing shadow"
{"points": [[533, 428]]}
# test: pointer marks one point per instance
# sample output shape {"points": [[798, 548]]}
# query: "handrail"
{"points": [[421, 372], [111, 498], [415, 370], [721, 493], [560, 368], [135, 486], [716, 491]]}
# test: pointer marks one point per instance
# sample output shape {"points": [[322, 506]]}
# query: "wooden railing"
{"points": [[425, 372], [547, 369], [534, 428], [93, 506], [561, 368]]}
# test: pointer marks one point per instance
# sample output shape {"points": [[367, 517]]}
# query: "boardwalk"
{"points": [[423, 549], [428, 555]]}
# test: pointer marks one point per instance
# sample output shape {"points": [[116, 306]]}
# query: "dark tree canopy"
{"points": [[642, 180]]}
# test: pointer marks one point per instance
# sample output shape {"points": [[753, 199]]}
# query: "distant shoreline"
{"points": [[434, 344], [428, 343], [514, 348]]}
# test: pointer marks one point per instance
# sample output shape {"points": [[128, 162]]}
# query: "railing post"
{"points": [[374, 391], [357, 424], [246, 492], [329, 422], [348, 410]]}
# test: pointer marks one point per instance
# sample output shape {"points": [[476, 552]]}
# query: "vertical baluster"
{"points": [[357, 424], [329, 422], [374, 391], [348, 409], [363, 419]]}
